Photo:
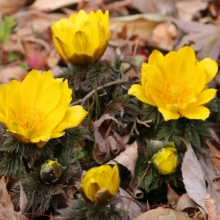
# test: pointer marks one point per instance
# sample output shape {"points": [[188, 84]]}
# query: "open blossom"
{"points": [[165, 160], [83, 38], [100, 184], [36, 109], [176, 84]]}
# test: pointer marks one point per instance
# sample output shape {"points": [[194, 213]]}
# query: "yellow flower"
{"points": [[83, 38], [36, 109], [176, 84], [165, 160], [100, 184]]}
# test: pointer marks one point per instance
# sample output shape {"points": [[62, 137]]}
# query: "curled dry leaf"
{"points": [[108, 143], [161, 214], [71, 191], [184, 202], [127, 158]]}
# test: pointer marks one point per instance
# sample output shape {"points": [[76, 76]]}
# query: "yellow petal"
{"points": [[211, 68], [78, 114], [168, 115], [114, 179], [139, 92], [195, 112], [166, 167], [30, 87], [204, 97], [156, 58], [188, 53], [156, 97], [59, 48], [154, 77]]}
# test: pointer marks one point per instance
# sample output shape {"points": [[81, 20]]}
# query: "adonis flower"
{"points": [[36, 109], [100, 184], [165, 160], [83, 38], [176, 84]]}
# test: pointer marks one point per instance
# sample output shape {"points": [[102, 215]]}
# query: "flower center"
{"points": [[30, 119], [177, 94]]}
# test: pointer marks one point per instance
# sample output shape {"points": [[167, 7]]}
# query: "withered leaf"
{"points": [[107, 142], [6, 214], [204, 38]]}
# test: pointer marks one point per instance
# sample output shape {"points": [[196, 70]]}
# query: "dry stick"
{"points": [[144, 174], [82, 101], [126, 197]]}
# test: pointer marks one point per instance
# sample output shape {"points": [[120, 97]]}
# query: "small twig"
{"points": [[82, 101], [144, 174], [145, 123], [130, 198]]}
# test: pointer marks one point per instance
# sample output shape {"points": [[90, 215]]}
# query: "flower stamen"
{"points": [[176, 94], [29, 119]]}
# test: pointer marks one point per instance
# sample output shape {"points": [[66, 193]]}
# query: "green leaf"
{"points": [[13, 57], [6, 27], [24, 65]]}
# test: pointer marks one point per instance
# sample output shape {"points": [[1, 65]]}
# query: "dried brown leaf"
{"points": [[133, 207], [23, 199], [198, 176], [194, 177], [47, 5], [184, 202], [12, 72], [107, 142], [215, 151], [203, 38], [7, 214], [187, 9], [161, 214], [172, 196], [5, 199], [71, 191], [164, 35], [127, 158], [211, 207], [142, 25], [12, 6]]}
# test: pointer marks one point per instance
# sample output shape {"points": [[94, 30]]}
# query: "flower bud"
{"points": [[100, 184], [166, 160], [50, 171]]}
